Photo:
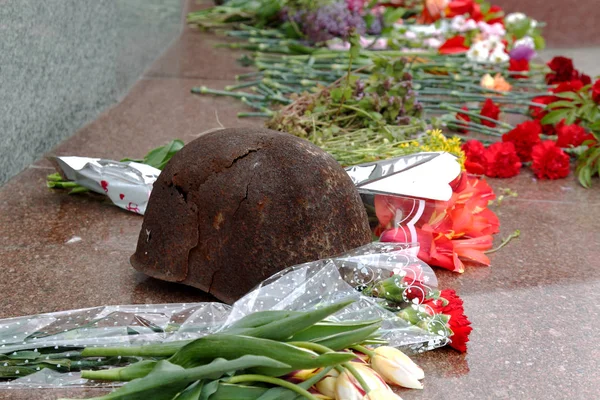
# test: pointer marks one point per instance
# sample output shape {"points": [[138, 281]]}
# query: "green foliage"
{"points": [[579, 106]]}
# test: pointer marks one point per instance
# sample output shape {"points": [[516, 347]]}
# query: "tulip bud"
{"points": [[397, 368], [348, 388], [381, 395], [302, 375], [391, 289], [326, 386]]}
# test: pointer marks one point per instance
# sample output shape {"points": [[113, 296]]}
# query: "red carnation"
{"points": [[571, 135], [498, 12], [573, 85], [585, 79], [540, 112], [518, 66], [459, 7], [524, 137], [596, 91], [550, 161], [458, 323], [454, 45], [490, 110], [462, 128], [475, 153], [562, 70], [502, 160]]}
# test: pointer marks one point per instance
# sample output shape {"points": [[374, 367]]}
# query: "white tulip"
{"points": [[397, 368]]}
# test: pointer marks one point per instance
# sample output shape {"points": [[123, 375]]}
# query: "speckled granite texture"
{"points": [[570, 23], [62, 62], [535, 311]]}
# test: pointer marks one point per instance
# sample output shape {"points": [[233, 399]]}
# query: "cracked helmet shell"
{"points": [[235, 206]]}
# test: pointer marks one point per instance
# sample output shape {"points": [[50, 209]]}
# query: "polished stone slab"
{"points": [[535, 310]]}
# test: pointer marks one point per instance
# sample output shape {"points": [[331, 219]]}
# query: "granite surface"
{"points": [[569, 23], [62, 62], [535, 311]]}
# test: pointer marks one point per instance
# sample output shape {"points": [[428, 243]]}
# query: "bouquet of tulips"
{"points": [[275, 354], [312, 328]]}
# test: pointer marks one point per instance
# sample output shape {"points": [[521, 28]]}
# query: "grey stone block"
{"points": [[62, 62]]}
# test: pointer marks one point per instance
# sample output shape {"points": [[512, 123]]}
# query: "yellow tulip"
{"points": [[397, 368], [348, 388], [381, 395], [326, 386]]}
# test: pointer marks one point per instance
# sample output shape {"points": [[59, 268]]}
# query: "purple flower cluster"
{"points": [[331, 21]]}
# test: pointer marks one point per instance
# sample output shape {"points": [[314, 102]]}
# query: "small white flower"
{"points": [[494, 42], [470, 25], [457, 23], [410, 35], [496, 29], [514, 18], [526, 41], [478, 54], [434, 43], [499, 56]]}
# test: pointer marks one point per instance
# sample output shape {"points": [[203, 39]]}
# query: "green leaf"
{"points": [[562, 103], [228, 391], [260, 318], [300, 49], [539, 42], [163, 383], [278, 393], [159, 157], [391, 15], [233, 346], [355, 46], [209, 389], [343, 340], [336, 94], [555, 116], [326, 329], [521, 28], [124, 374], [585, 176], [166, 380], [585, 110], [24, 355], [571, 118], [568, 95], [192, 392], [285, 328]]}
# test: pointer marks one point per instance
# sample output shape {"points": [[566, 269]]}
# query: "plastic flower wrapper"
{"points": [[45, 350], [419, 199], [128, 183]]}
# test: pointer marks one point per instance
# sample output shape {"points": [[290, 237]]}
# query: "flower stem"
{"points": [[318, 348], [272, 381], [512, 236], [358, 377], [364, 350]]}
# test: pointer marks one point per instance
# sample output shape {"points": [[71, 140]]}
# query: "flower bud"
{"points": [[326, 386], [397, 368], [381, 395], [348, 388]]}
